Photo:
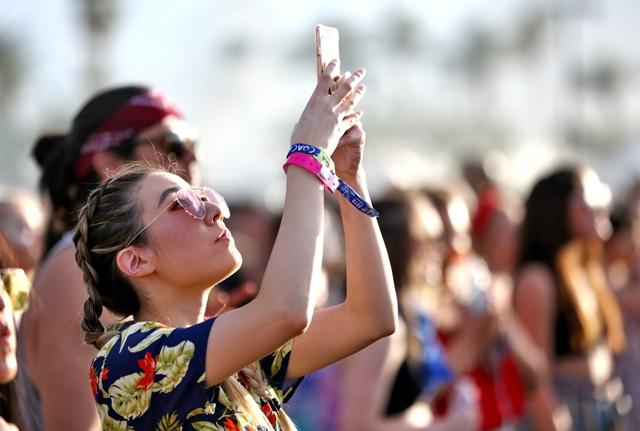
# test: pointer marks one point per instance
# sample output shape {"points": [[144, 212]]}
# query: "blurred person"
{"points": [[112, 128], [494, 231], [232, 371], [14, 294], [22, 223], [622, 264], [562, 297], [487, 341], [396, 383]]}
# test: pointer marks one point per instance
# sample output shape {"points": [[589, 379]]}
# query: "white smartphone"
{"points": [[327, 49]]}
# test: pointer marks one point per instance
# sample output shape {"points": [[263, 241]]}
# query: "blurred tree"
{"points": [[599, 121], [402, 34], [478, 56], [97, 18], [12, 69], [530, 38]]}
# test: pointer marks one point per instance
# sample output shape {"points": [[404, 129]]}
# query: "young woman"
{"points": [[562, 297], [151, 247], [394, 383]]}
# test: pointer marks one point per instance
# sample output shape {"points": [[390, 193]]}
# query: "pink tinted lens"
{"points": [[216, 198], [191, 203]]}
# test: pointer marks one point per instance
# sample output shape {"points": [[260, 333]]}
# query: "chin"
{"points": [[237, 257], [8, 370]]}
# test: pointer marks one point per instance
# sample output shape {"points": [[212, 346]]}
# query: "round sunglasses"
{"points": [[192, 202]]}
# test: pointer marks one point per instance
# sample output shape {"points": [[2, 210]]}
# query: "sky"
{"points": [[245, 106]]}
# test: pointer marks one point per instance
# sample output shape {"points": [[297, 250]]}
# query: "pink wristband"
{"points": [[326, 176]]}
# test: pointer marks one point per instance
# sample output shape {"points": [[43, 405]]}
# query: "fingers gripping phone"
{"points": [[327, 49]]}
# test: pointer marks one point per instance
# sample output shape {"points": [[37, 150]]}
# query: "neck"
{"points": [[185, 309]]}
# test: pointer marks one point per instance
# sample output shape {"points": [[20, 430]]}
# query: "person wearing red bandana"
{"points": [[113, 128]]}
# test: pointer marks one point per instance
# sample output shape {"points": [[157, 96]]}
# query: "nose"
{"points": [[213, 213], [4, 301]]}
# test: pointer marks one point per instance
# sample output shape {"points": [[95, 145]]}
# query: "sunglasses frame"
{"points": [[217, 200]]}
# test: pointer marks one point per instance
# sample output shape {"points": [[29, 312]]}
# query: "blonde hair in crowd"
{"points": [[109, 219]]}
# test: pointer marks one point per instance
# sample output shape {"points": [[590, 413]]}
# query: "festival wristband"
{"points": [[305, 160], [318, 161], [318, 153], [356, 200]]}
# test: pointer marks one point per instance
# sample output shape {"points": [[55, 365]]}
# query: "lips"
{"points": [[225, 235]]}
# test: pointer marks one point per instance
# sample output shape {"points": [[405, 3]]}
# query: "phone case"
{"points": [[327, 46]]}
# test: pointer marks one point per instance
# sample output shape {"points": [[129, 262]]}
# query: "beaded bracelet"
{"points": [[317, 161]]}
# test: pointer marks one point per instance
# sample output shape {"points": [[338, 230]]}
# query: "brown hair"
{"points": [[109, 220], [546, 238]]}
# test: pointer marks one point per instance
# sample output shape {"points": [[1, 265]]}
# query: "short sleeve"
{"points": [[275, 367], [152, 374]]}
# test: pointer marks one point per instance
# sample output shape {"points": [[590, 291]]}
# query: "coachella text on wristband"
{"points": [[317, 161], [317, 153]]}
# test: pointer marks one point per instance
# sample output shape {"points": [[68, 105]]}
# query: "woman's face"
{"points": [[187, 251], [581, 215], [588, 212], [8, 362], [500, 243]]}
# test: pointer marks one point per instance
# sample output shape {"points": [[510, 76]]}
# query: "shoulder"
{"points": [[535, 289], [59, 286]]}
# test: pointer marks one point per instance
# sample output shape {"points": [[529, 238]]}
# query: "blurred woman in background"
{"points": [[562, 297]]}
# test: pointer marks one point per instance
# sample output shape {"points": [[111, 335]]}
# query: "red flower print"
{"points": [[93, 378], [148, 366], [268, 412], [230, 425], [249, 428]]}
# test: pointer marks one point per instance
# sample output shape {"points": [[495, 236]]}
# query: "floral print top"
{"points": [[152, 377]]}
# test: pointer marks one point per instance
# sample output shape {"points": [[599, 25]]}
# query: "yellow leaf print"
{"points": [[110, 424], [206, 426], [129, 331], [222, 397], [156, 335], [208, 409], [128, 401], [280, 354], [107, 347], [169, 423], [173, 362]]}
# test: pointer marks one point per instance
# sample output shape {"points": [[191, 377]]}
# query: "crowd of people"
{"points": [[457, 307]]}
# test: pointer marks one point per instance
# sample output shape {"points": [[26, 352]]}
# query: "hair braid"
{"points": [[92, 308], [256, 380], [107, 222]]}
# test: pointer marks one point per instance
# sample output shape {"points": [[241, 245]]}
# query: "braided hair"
{"points": [[108, 221]]}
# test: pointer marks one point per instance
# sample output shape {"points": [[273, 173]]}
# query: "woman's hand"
{"points": [[348, 156], [327, 117]]}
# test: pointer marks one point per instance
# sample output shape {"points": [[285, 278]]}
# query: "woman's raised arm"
{"points": [[370, 309], [284, 305]]}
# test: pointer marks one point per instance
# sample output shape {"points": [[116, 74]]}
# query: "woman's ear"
{"points": [[135, 262]]}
